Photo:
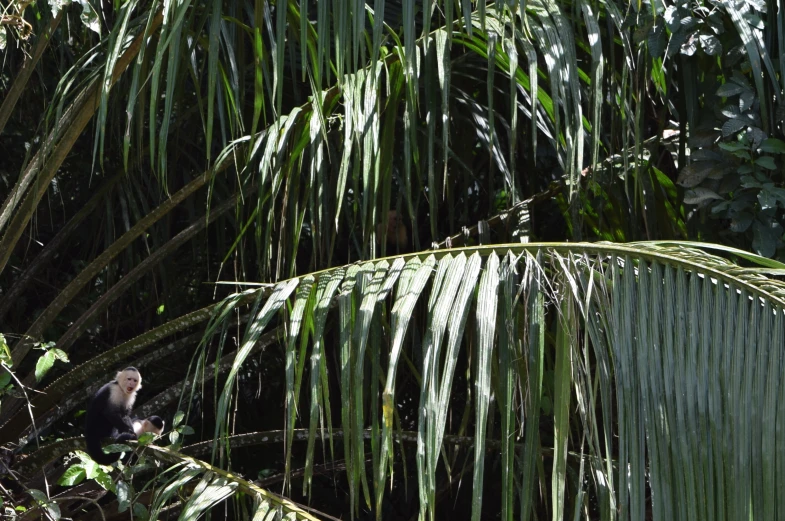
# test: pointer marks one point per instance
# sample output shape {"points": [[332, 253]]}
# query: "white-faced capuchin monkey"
{"points": [[152, 424], [397, 234], [108, 415]]}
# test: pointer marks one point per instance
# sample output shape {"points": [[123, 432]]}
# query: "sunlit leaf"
{"points": [[44, 364], [209, 491], [123, 496], [486, 327], [73, 476]]}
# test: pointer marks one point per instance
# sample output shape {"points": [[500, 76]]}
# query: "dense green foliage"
{"points": [[159, 159]]}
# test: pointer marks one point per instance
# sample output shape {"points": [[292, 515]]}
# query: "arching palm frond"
{"points": [[670, 357]]}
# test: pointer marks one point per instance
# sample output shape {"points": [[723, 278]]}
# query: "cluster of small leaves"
{"points": [[88, 15], [125, 501], [47, 360], [740, 113], [85, 468], [46, 504], [733, 160], [10, 512], [757, 201], [682, 28], [734, 178], [179, 430], [11, 16]]}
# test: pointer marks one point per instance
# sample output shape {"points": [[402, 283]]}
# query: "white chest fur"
{"points": [[121, 399]]}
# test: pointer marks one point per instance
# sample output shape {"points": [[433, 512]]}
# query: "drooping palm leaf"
{"points": [[658, 342]]}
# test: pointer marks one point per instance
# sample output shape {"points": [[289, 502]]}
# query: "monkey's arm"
{"points": [[119, 419]]}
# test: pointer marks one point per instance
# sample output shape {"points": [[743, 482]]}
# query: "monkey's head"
{"points": [[154, 424], [129, 380], [393, 222], [397, 234]]}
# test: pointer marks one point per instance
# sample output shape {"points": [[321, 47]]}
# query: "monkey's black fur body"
{"points": [[108, 416]]}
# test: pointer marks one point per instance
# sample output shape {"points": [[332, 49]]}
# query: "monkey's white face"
{"points": [[129, 381]]}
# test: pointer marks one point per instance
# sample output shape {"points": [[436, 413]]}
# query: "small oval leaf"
{"points": [[773, 145], [692, 174], [73, 476], [44, 364], [698, 195], [741, 222], [766, 162], [732, 126], [123, 496], [729, 89]]}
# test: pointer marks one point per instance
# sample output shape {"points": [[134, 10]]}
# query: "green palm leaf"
{"points": [[642, 351]]}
